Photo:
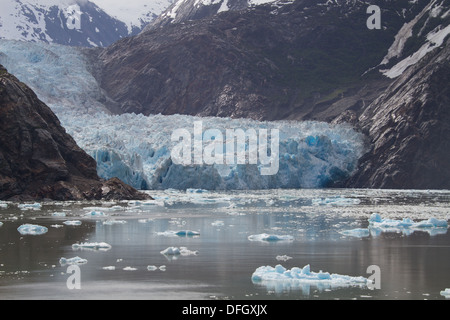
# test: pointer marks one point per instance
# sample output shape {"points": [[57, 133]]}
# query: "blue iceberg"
{"points": [[32, 229]]}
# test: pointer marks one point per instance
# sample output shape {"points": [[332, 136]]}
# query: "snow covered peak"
{"points": [[76, 22]]}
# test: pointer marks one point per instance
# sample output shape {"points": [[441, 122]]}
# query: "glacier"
{"points": [[137, 148]]}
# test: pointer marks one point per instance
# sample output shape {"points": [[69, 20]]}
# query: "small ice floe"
{"points": [[97, 246], [270, 237], [71, 261], [446, 293], [180, 233], [3, 205], [280, 279], [72, 223], [145, 220], [57, 226], [335, 201], [30, 206], [283, 258], [406, 226], [129, 269], [1, 223], [96, 214], [111, 222], [218, 223], [175, 251], [357, 233], [58, 214], [154, 268], [31, 229], [110, 268]]}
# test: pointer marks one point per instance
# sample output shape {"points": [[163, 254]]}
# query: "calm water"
{"points": [[413, 265]]}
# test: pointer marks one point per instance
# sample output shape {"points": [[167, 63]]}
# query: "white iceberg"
{"points": [[101, 246], [58, 214], [129, 269], [270, 237], [111, 222], [96, 214], [72, 223], [335, 201], [31, 229], [174, 251], [1, 223], [279, 278], [72, 261], [406, 226], [446, 293], [30, 206], [110, 268]]}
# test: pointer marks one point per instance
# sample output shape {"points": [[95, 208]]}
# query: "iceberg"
{"points": [[270, 237], [111, 222], [174, 251], [72, 261], [29, 206], [32, 229], [446, 293], [335, 201], [406, 226], [96, 214], [181, 233], [100, 246], [1, 223], [72, 223], [279, 278]]}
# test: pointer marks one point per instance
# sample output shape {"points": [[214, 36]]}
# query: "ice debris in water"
{"points": [[180, 233], [446, 293], [111, 222], [58, 214], [270, 237], [102, 246], [72, 223], [31, 229], [358, 232], [407, 226], [173, 251], [335, 201], [110, 268], [129, 269], [71, 261], [29, 206], [1, 223], [96, 214], [280, 278]]}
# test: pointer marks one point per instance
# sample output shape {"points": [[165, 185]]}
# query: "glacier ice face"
{"points": [[137, 148]]}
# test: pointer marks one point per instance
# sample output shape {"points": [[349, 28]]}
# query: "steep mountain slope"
{"points": [[38, 159], [409, 128], [306, 60], [74, 22]]}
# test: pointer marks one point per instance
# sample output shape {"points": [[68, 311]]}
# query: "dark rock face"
{"points": [[300, 61], [38, 159], [409, 129]]}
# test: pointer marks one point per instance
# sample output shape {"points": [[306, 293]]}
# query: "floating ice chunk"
{"points": [[180, 233], [406, 226], [335, 201], [218, 223], [3, 205], [101, 246], [111, 222], [72, 223], [358, 232], [190, 190], [152, 268], [1, 223], [30, 206], [174, 251], [56, 226], [96, 214], [270, 237], [58, 214], [110, 268], [31, 229], [279, 278], [283, 258], [446, 293], [129, 269], [71, 261]]}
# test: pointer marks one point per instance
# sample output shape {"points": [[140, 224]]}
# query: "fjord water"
{"points": [[221, 258]]}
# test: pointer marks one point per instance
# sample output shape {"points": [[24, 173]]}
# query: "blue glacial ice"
{"points": [[280, 279], [358, 232], [446, 293], [137, 148], [406, 226], [175, 251], [95, 246], [72, 223], [32, 229]]}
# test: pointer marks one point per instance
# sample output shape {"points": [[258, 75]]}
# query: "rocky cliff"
{"points": [[409, 129], [38, 159]]}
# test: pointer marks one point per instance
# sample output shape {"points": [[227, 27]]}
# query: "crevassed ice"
{"points": [[137, 148]]}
